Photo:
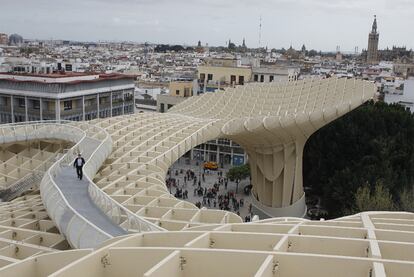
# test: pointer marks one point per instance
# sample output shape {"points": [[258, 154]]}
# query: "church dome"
{"points": [[15, 39]]}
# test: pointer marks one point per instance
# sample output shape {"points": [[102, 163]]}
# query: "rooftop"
{"points": [[58, 78]]}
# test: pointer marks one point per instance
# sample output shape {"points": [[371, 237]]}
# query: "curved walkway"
{"points": [[77, 195], [80, 210]]}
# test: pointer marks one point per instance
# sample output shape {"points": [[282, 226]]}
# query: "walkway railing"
{"points": [[21, 185], [115, 211], [80, 232]]}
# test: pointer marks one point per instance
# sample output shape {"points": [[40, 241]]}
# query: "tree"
{"points": [[407, 200], [238, 173], [379, 199], [372, 144]]}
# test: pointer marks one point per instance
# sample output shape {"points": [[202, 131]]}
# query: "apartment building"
{"points": [[178, 92], [212, 77], [64, 96], [274, 74], [4, 39]]}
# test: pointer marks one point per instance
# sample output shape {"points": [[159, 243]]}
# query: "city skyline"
{"points": [[318, 24]]}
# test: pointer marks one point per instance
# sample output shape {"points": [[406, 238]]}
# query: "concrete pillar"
{"points": [[26, 112], [41, 108], [123, 103], [110, 101], [12, 108], [218, 155], [83, 107], [97, 105], [276, 173], [57, 109], [133, 102]]}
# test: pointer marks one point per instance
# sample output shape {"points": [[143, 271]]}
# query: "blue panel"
{"points": [[238, 160]]}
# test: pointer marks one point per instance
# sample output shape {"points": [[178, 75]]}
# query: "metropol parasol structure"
{"points": [[121, 219]]}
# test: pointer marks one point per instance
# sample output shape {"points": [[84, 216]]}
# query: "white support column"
{"points": [[41, 108], [26, 112], [83, 107], [57, 109], [218, 154], [12, 108], [97, 105], [123, 103], [110, 101], [133, 101]]}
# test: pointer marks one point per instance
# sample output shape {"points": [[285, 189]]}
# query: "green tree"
{"points": [[407, 200], [378, 199], [239, 172], [372, 144]]}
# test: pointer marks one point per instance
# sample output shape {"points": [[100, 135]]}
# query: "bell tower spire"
{"points": [[374, 25]]}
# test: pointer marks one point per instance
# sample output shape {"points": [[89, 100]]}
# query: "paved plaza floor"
{"points": [[212, 177]]}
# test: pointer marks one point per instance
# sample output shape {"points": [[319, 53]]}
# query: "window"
{"points": [[187, 92], [177, 92], [67, 105], [256, 78], [271, 78], [88, 103], [212, 147], [232, 79], [223, 141], [225, 149], [241, 80], [261, 78], [162, 109], [22, 103], [36, 104], [209, 77], [202, 76]]}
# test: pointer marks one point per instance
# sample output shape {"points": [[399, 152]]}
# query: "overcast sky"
{"points": [[319, 24]]}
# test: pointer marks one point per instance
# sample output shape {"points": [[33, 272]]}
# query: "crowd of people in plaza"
{"points": [[212, 195]]}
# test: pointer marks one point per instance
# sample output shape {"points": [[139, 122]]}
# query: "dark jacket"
{"points": [[75, 164]]}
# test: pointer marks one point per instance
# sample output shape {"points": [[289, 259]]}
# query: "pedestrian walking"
{"points": [[78, 164]]}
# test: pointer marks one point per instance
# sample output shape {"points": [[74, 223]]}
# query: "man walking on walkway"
{"points": [[79, 162]]}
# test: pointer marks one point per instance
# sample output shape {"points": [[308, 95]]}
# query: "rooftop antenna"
{"points": [[260, 31]]}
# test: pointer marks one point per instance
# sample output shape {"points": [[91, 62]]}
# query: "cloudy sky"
{"points": [[319, 24]]}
